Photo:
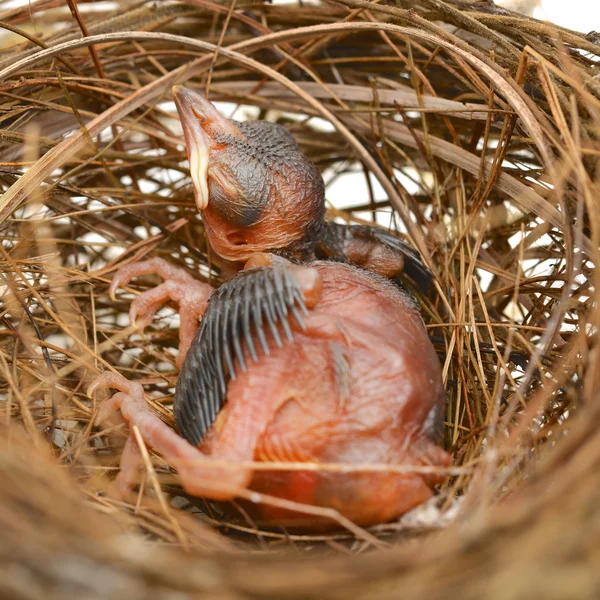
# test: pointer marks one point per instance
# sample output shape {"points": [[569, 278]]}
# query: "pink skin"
{"points": [[357, 387], [349, 389]]}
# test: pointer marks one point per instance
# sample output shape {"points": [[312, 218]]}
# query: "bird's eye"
{"points": [[226, 197]]}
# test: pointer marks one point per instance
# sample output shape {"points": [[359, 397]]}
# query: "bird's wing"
{"points": [[243, 317]]}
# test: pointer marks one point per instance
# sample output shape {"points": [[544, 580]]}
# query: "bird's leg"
{"points": [[202, 475], [178, 286], [198, 472], [215, 476], [177, 451]]}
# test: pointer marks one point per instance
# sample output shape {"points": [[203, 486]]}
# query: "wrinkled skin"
{"points": [[361, 385], [264, 193]]}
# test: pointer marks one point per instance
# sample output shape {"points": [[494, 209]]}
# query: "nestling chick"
{"points": [[321, 362]]}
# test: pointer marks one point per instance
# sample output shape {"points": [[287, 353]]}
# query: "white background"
{"points": [[582, 15]]}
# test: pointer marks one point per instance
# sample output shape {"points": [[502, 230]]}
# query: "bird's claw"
{"points": [[146, 316], [178, 286], [129, 398], [127, 391]]}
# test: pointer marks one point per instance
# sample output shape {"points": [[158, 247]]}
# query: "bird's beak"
{"points": [[203, 126], [189, 106]]}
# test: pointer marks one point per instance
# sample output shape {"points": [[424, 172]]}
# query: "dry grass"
{"points": [[481, 127]]}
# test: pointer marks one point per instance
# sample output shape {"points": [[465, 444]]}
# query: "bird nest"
{"points": [[469, 130]]}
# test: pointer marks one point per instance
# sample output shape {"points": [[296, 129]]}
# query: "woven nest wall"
{"points": [[473, 132]]}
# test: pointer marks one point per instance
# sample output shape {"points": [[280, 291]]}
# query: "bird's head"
{"points": [[255, 189]]}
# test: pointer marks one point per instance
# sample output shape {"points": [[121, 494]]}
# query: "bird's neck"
{"points": [[304, 249]]}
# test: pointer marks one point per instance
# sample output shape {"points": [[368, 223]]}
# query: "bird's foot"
{"points": [[178, 286], [130, 399]]}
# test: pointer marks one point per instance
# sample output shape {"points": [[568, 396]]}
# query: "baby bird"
{"points": [[318, 362]]}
